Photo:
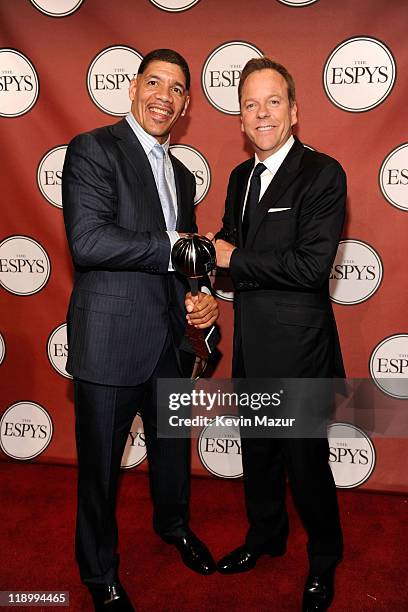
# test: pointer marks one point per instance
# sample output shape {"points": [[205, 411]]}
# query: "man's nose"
{"points": [[165, 94], [263, 111]]}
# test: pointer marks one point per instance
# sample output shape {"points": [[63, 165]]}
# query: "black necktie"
{"points": [[252, 199]]}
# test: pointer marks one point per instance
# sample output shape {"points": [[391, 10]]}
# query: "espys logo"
{"points": [[352, 455], [57, 349], [49, 175], [24, 265], [356, 273], [25, 430], [19, 84], [389, 366], [109, 77], [57, 8], [222, 286], [135, 449], [221, 72], [174, 6], [219, 449], [359, 74], [198, 165], [2, 349], [297, 2], [393, 177]]}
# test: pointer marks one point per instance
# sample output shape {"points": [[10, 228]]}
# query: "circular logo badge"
{"points": [[2, 349], [198, 165], [135, 449], [356, 273], [57, 8], [221, 73], [389, 366], [19, 84], [49, 174], [24, 265], [219, 449], [25, 430], [109, 77], [297, 2], [393, 177], [359, 74], [352, 455], [174, 6], [57, 349]]}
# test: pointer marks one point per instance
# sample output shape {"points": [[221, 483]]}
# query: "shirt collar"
{"points": [[146, 140], [275, 160]]}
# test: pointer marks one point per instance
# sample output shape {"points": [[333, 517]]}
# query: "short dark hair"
{"points": [[166, 55], [265, 63]]}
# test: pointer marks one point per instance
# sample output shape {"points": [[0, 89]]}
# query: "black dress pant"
{"points": [[104, 415], [267, 464]]}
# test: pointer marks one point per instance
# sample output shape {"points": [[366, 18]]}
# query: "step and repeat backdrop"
{"points": [[65, 68]]}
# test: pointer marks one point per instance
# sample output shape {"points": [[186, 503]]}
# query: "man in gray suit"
{"points": [[126, 201]]}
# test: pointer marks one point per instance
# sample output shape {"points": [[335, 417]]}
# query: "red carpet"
{"points": [[38, 508]]}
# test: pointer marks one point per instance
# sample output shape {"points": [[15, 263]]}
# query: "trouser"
{"points": [[104, 415]]}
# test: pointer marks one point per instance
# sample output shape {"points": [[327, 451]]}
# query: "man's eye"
{"points": [[250, 106], [152, 82], [177, 90], [274, 102]]}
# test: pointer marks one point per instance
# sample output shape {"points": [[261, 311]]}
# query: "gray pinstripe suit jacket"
{"points": [[124, 300]]}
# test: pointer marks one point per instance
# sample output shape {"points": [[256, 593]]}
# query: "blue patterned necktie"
{"points": [[164, 189]]}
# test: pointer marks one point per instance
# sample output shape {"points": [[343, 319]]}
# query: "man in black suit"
{"points": [[126, 201], [283, 220]]}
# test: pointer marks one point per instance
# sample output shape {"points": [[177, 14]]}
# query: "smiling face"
{"points": [[266, 115], [159, 97]]}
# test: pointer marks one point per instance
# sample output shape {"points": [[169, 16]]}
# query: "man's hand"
{"points": [[202, 309], [223, 251]]}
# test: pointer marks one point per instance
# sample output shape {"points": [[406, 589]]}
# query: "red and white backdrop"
{"points": [[65, 67]]}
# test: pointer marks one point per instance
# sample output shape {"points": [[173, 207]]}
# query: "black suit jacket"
{"points": [[124, 300], [284, 322]]}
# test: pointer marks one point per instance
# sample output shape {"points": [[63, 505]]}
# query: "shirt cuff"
{"points": [[173, 237], [205, 289]]}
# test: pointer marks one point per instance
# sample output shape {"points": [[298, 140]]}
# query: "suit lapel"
{"points": [[181, 193], [242, 183], [289, 169], [137, 158]]}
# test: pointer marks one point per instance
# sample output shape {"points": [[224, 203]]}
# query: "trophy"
{"points": [[194, 257]]}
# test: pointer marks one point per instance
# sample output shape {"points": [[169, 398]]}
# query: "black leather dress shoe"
{"points": [[110, 598], [242, 560], [319, 592], [193, 552]]}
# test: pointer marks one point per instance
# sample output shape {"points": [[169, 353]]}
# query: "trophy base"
{"points": [[200, 342]]}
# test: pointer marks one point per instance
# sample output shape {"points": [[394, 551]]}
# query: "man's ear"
{"points": [[293, 114], [242, 126], [132, 88], [186, 103]]}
